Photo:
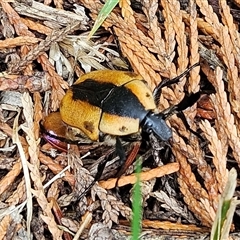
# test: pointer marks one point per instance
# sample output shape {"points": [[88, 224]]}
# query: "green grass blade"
{"points": [[137, 204], [103, 14], [226, 207]]}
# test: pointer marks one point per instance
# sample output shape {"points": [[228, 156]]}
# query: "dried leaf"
{"points": [[144, 176], [14, 18], [18, 41]]}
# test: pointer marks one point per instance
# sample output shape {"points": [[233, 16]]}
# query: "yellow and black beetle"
{"points": [[114, 102], [117, 103]]}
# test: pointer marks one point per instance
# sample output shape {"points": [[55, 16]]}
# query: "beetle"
{"points": [[115, 102], [118, 103]]}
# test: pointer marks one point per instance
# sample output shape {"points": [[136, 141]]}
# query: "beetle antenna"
{"points": [[167, 82], [178, 110], [185, 122], [186, 102]]}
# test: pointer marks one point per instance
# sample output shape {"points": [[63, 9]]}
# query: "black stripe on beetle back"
{"points": [[92, 91], [122, 102], [112, 99]]}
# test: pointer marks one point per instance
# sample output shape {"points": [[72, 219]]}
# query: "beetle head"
{"points": [[154, 123]]}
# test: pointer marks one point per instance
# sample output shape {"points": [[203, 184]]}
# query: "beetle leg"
{"points": [[100, 169], [120, 151], [128, 161]]}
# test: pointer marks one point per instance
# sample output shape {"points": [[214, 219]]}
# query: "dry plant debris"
{"points": [[44, 48]]}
